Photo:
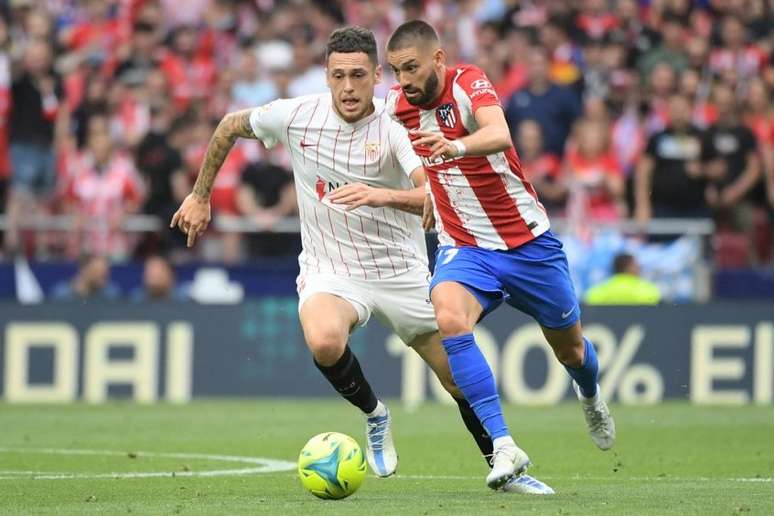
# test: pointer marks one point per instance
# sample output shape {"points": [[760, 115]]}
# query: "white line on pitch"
{"points": [[631, 479], [263, 465]]}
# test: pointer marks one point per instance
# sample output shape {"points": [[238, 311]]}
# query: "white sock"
{"points": [[505, 440], [379, 411]]}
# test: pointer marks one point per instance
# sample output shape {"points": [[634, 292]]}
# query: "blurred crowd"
{"points": [[618, 108]]}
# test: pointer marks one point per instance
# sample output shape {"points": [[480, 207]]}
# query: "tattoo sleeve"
{"points": [[232, 126]]}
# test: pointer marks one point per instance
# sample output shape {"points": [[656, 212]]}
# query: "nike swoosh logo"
{"points": [[565, 315], [305, 145]]}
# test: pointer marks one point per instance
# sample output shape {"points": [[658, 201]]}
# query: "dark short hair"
{"points": [[622, 262], [411, 32], [349, 40]]}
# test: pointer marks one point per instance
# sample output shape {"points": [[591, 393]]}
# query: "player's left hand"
{"points": [[439, 146], [355, 195], [192, 217]]}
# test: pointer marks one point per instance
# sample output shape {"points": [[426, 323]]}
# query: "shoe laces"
{"points": [[500, 451], [377, 429], [596, 416]]}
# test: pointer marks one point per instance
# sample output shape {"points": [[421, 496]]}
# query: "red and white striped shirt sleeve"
{"points": [[478, 88]]}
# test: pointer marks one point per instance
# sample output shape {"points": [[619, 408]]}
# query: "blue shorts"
{"points": [[533, 278]]}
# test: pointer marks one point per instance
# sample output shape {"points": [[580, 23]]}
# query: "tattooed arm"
{"points": [[232, 126], [194, 214]]}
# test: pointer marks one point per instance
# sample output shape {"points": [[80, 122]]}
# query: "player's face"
{"points": [[351, 77], [417, 70]]}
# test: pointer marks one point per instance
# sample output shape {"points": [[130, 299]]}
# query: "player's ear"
{"points": [[439, 57], [378, 72]]}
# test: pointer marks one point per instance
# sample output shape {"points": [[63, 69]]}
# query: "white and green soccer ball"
{"points": [[331, 466]]}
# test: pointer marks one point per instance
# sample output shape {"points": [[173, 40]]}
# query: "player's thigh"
{"points": [[402, 303], [463, 289], [430, 348], [329, 307], [537, 279], [457, 309]]}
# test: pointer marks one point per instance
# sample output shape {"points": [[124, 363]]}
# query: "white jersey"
{"points": [[327, 152]]}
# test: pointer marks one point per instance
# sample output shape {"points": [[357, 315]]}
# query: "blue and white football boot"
{"points": [[507, 460], [380, 450], [525, 484]]}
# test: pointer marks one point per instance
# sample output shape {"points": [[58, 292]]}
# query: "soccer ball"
{"points": [[331, 466]]}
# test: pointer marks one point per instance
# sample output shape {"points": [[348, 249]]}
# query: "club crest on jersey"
{"points": [[372, 152], [446, 115]]}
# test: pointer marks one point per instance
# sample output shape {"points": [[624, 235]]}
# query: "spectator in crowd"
{"points": [[594, 180], [669, 180], [308, 73], [35, 103], [141, 55], [596, 20], [661, 86], [103, 187], [5, 109], [731, 160], [158, 282], [553, 107], [671, 50], [160, 163], [266, 195], [736, 59], [189, 68], [250, 89], [565, 56], [624, 287], [91, 283], [542, 168], [759, 117]]}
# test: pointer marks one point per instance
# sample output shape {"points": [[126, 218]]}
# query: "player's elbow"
{"points": [[502, 140]]}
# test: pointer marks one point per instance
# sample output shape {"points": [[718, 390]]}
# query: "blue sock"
{"points": [[472, 375], [587, 375]]}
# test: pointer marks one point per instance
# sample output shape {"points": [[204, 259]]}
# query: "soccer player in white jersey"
{"points": [[495, 238], [356, 176]]}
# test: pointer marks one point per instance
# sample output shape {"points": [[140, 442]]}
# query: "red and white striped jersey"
{"points": [[327, 152], [482, 201]]}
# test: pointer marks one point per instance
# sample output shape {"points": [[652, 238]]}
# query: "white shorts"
{"points": [[401, 302]]}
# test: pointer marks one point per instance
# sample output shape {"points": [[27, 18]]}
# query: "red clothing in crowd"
{"points": [[224, 190], [189, 78], [103, 196], [588, 177]]}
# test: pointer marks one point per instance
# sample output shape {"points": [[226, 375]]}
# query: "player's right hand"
{"points": [[428, 215], [192, 217]]}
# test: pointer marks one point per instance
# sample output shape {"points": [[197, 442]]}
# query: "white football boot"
{"points": [[380, 450], [525, 484], [598, 418], [507, 460]]}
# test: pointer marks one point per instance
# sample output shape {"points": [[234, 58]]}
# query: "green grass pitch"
{"points": [[669, 459]]}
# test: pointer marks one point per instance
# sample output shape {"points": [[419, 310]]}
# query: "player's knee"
{"points": [[326, 344], [452, 322], [570, 355]]}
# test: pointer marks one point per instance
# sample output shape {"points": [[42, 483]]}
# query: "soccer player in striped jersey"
{"points": [[495, 241], [356, 178]]}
